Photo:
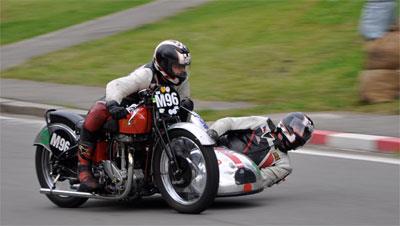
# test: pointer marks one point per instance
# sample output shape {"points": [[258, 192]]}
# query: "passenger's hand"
{"points": [[213, 134], [187, 103]]}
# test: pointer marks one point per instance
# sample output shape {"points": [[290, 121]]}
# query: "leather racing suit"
{"points": [[253, 136]]}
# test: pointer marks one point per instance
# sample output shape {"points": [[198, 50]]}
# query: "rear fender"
{"points": [[43, 138], [59, 139], [61, 134]]}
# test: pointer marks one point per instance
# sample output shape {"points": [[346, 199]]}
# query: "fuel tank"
{"points": [[139, 124]]}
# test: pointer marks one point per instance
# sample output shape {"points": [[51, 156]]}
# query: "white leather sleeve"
{"points": [[223, 125], [278, 171], [119, 88]]}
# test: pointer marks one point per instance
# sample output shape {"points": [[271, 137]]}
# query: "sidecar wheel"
{"points": [[197, 188], [43, 167]]}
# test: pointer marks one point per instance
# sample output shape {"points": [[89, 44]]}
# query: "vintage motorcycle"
{"points": [[150, 151]]}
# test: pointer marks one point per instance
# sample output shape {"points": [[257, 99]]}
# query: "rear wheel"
{"points": [[45, 173], [197, 185]]}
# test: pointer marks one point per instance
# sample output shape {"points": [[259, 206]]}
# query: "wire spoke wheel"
{"points": [[46, 175], [194, 188], [190, 186]]}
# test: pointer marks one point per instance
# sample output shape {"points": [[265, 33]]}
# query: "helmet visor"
{"points": [[302, 128]]}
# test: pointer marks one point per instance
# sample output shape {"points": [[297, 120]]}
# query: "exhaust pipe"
{"points": [[128, 186], [49, 191]]}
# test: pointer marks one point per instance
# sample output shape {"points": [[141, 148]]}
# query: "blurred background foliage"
{"points": [[284, 55]]}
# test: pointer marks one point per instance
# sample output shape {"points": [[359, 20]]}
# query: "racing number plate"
{"points": [[167, 100]]}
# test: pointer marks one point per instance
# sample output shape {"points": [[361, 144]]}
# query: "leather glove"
{"points": [[187, 103], [213, 134], [117, 112]]}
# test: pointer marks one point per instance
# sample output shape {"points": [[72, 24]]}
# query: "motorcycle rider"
{"points": [[169, 66], [263, 142]]}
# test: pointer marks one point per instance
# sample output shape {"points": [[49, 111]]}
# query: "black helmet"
{"points": [[171, 53], [294, 130]]}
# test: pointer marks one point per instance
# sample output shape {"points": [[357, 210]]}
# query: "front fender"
{"points": [[199, 133], [43, 138]]}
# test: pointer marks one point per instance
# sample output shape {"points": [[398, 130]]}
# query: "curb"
{"points": [[363, 142], [27, 108], [370, 143]]}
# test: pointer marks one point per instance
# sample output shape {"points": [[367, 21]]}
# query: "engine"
{"points": [[113, 174]]}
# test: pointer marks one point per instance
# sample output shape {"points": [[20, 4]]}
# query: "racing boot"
{"points": [[87, 182]]}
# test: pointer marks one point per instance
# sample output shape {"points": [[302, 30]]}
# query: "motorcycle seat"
{"points": [[64, 117]]}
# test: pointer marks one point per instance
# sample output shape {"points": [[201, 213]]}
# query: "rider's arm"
{"points": [[120, 88], [279, 169], [224, 125]]}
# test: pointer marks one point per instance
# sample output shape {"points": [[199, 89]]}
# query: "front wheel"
{"points": [[195, 188]]}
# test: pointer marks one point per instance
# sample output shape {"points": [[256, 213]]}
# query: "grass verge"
{"points": [[21, 19], [281, 55]]}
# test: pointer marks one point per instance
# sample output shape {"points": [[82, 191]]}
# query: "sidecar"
{"points": [[238, 175]]}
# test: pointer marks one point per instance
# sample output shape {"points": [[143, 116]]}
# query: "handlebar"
{"points": [[144, 95]]}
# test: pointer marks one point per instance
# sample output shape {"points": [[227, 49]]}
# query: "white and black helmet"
{"points": [[169, 53], [296, 130]]}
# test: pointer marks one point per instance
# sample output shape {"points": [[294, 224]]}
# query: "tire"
{"points": [[200, 173], [45, 180]]}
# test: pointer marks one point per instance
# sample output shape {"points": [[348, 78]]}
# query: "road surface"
{"points": [[322, 190]]}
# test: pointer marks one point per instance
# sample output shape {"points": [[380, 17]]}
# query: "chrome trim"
{"points": [[133, 110], [66, 128], [48, 191]]}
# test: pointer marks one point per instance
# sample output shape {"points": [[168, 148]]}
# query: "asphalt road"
{"points": [[321, 191]]}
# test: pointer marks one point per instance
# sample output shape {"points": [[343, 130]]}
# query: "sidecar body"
{"points": [[238, 174]]}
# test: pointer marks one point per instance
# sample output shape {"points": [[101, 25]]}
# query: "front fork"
{"points": [[166, 144]]}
